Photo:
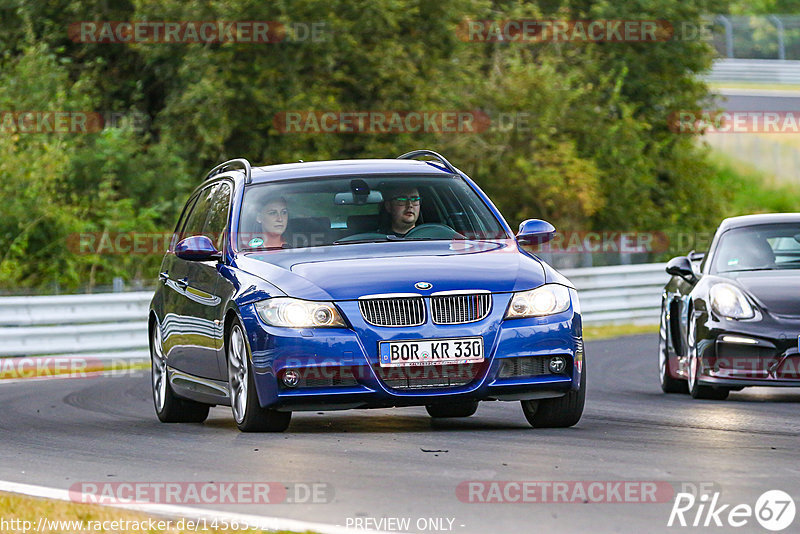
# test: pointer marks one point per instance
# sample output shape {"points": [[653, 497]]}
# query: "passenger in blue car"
{"points": [[400, 211], [273, 219]]}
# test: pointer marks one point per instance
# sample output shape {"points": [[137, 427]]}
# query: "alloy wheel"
{"points": [[237, 373], [158, 370]]}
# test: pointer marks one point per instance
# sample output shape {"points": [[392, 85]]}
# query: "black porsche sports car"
{"points": [[730, 318]]}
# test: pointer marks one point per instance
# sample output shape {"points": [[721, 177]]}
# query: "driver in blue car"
{"points": [[401, 211]]}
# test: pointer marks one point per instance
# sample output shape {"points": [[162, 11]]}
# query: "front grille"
{"points": [[527, 366], [790, 368], [459, 309], [329, 382], [429, 376], [397, 311]]}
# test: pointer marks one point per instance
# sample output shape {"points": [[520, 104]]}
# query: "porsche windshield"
{"points": [[759, 248], [327, 211]]}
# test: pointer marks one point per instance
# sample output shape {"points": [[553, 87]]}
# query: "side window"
{"points": [[196, 220], [218, 215], [177, 234]]}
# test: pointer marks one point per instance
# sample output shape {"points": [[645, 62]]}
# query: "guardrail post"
{"points": [[119, 285], [779, 26], [725, 21]]}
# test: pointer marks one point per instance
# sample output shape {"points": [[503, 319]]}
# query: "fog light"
{"points": [[557, 364], [291, 378]]}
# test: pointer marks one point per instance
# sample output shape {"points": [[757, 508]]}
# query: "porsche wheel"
{"points": [[669, 383], [697, 390]]}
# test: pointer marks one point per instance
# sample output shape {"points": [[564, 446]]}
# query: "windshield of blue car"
{"points": [[363, 209], [758, 248]]}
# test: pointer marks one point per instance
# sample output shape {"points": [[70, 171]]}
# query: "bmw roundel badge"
{"points": [[423, 285]]}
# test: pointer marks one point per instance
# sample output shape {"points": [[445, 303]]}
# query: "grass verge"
{"points": [[21, 514], [593, 333], [746, 85], [42, 367], [750, 190]]}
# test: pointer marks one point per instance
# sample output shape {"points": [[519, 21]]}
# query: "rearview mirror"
{"points": [[341, 199], [197, 248], [535, 232]]}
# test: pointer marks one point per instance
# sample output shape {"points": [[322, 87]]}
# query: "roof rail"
{"points": [[239, 163], [414, 154]]}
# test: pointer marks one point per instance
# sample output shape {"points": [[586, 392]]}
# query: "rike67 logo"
{"points": [[774, 510]]}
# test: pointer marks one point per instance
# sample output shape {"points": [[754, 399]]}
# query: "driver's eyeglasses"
{"points": [[399, 201]]}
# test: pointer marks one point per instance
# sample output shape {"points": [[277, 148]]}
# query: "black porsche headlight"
{"points": [[729, 301]]}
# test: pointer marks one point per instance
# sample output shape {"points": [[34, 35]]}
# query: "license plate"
{"points": [[431, 352]]}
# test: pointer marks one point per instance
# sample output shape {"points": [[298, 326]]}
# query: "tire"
{"points": [[669, 384], [247, 411], [696, 390], [169, 407], [557, 413], [455, 409]]}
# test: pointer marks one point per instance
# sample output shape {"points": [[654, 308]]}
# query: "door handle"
{"points": [[163, 276], [183, 283]]}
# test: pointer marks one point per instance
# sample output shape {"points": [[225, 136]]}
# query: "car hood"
{"points": [[346, 272], [777, 291]]}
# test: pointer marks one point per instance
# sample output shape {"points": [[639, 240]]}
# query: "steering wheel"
{"points": [[433, 231]]}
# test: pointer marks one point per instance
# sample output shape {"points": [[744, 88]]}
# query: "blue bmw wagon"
{"points": [[359, 284]]}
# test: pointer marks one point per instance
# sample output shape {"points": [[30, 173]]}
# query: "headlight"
{"points": [[729, 301], [296, 313], [545, 300]]}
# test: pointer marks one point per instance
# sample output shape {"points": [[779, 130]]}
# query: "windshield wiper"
{"points": [[369, 240], [258, 249], [749, 270]]}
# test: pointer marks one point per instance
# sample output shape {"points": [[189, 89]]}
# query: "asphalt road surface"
{"points": [[750, 100], [375, 465]]}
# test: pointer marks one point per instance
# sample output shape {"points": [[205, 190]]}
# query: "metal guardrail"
{"points": [[620, 294], [114, 325], [761, 71], [104, 326]]}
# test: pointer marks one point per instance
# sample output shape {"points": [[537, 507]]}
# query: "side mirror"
{"points": [[197, 248], [681, 266], [535, 232]]}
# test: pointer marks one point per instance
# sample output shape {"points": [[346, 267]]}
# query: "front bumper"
{"points": [[340, 369], [757, 353]]}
